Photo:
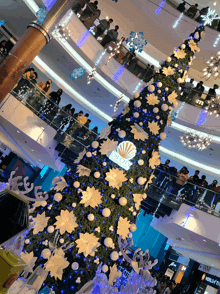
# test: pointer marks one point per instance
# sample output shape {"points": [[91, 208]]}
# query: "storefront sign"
{"points": [[212, 281]]}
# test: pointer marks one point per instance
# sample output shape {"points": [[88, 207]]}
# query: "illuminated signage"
{"points": [[212, 281], [125, 151]]}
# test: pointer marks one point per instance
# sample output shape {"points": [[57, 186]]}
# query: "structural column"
{"points": [[28, 47]]}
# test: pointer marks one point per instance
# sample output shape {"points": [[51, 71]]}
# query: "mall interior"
{"points": [[109, 146]]}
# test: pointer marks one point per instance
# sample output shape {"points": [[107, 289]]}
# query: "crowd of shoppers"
{"points": [[165, 285], [44, 103], [193, 93], [179, 186]]}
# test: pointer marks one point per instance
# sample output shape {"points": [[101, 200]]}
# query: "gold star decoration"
{"points": [[97, 229], [41, 222], [149, 181], [154, 127], [91, 197], [168, 71], [193, 46], [138, 198], [56, 264], [180, 54], [154, 160], [131, 209], [139, 133], [115, 178], [87, 244], [83, 171], [108, 146], [66, 222], [152, 99], [123, 227], [172, 97]]}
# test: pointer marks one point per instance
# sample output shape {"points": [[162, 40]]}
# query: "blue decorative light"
{"points": [[41, 14], [83, 38], [136, 41], [202, 118], [49, 4], [118, 73], [77, 73], [157, 11], [216, 41], [177, 21]]}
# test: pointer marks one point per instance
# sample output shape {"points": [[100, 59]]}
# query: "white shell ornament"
{"points": [[127, 150]]}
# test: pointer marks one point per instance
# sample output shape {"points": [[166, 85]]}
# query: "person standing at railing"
{"points": [[181, 6], [36, 98], [191, 12], [104, 24], [90, 9], [61, 116], [209, 197], [182, 177], [187, 88], [79, 124], [46, 87], [78, 6], [202, 12], [112, 35], [196, 93], [23, 81], [89, 22], [191, 188], [3, 50], [211, 94], [50, 108], [163, 168]]}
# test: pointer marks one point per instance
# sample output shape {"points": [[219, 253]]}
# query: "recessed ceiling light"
{"points": [[204, 240], [18, 132], [32, 150], [111, 105]]}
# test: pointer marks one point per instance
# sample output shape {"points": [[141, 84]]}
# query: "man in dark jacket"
{"points": [[112, 35], [103, 25]]}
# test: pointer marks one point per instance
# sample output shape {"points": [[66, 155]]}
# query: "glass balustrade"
{"points": [[71, 134], [173, 190]]}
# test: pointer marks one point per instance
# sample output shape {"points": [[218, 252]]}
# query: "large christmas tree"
{"points": [[107, 183]]}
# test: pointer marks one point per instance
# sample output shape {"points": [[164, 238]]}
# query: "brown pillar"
{"points": [[28, 47], [21, 56]]}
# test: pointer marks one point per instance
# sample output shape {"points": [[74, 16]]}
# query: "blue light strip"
{"points": [[157, 11], [202, 118], [118, 73], [177, 21], [49, 4], [83, 38], [216, 41], [43, 171]]}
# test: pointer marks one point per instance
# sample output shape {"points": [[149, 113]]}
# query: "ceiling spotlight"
{"points": [[204, 240], [18, 132]]}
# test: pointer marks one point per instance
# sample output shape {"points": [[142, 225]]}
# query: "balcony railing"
{"points": [[170, 190], [72, 136]]}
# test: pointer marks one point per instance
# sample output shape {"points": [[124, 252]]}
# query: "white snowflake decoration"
{"points": [[136, 41], [41, 15], [77, 73], [209, 17]]}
